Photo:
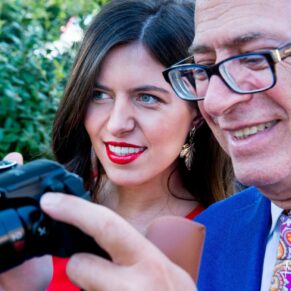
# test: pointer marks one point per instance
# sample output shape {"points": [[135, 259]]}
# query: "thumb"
{"points": [[14, 157]]}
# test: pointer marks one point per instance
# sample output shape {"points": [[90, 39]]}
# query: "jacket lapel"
{"points": [[236, 237], [249, 231]]}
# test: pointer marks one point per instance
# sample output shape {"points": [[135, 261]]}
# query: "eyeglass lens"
{"points": [[247, 74], [243, 74]]}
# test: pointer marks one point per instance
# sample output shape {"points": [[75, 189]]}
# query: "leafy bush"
{"points": [[31, 85]]}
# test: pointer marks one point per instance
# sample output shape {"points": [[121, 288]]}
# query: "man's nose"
{"points": [[122, 119], [220, 99]]}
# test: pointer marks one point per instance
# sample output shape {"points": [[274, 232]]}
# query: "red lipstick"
{"points": [[123, 153]]}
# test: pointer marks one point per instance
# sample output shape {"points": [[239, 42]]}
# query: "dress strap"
{"points": [[197, 210]]}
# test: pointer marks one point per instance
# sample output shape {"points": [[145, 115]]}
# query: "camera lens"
{"points": [[12, 237], [11, 232]]}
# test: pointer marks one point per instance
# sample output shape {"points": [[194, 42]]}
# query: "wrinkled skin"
{"points": [[228, 28]]}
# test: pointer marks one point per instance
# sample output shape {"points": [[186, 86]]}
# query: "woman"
{"points": [[122, 128]]}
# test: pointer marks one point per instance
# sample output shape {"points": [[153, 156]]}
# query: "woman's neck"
{"points": [[139, 205]]}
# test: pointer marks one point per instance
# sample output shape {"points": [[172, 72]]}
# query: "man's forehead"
{"points": [[234, 42], [209, 5], [228, 22]]}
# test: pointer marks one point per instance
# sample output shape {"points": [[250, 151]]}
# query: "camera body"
{"points": [[25, 230]]}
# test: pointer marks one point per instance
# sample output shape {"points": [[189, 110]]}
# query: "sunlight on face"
{"points": [[255, 129], [136, 123]]}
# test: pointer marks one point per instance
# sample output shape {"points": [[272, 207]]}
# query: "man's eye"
{"points": [[148, 99], [205, 61], [255, 63], [200, 74]]}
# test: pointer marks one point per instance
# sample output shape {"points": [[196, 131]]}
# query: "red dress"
{"points": [[60, 280]]}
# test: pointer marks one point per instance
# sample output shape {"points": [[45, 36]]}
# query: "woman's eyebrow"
{"points": [[101, 87], [149, 88]]}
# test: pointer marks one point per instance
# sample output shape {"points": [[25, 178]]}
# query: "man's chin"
{"points": [[259, 176], [284, 204]]}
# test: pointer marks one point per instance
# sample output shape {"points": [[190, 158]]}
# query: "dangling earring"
{"points": [[188, 149]]}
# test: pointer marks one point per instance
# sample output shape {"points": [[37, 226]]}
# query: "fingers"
{"points": [[155, 273], [108, 229], [14, 157], [100, 274], [34, 274], [137, 264]]}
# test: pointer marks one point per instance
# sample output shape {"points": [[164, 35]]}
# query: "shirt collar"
{"points": [[275, 213]]}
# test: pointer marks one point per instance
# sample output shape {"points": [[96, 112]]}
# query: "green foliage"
{"points": [[31, 85]]}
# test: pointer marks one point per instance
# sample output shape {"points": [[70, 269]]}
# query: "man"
{"points": [[255, 130], [252, 121], [246, 100]]}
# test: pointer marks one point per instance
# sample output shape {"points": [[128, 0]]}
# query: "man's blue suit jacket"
{"points": [[236, 235]]}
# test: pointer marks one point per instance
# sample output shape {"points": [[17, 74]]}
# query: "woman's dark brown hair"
{"points": [[166, 29]]}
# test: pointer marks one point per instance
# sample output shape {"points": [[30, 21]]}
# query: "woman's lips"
{"points": [[123, 153]]}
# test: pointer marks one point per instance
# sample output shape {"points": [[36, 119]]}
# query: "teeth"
{"points": [[248, 131], [123, 151]]}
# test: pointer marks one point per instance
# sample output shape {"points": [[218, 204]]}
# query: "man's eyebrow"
{"points": [[199, 49], [247, 38], [235, 42]]}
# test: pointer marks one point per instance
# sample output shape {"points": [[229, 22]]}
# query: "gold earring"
{"points": [[188, 149]]}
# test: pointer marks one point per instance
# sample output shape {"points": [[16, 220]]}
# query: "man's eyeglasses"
{"points": [[245, 73]]}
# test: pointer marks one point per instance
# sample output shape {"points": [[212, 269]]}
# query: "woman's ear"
{"points": [[197, 121]]}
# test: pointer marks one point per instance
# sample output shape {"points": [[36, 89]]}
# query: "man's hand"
{"points": [[136, 263]]}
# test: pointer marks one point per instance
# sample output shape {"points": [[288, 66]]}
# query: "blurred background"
{"points": [[38, 42]]}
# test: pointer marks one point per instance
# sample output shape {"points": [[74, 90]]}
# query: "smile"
{"points": [[123, 153], [252, 130]]}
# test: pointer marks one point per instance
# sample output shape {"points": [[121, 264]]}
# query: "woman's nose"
{"points": [[121, 119]]}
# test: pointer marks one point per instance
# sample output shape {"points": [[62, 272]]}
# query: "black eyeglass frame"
{"points": [[273, 57]]}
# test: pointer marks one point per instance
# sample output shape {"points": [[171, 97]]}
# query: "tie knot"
{"points": [[287, 212], [285, 230], [285, 218]]}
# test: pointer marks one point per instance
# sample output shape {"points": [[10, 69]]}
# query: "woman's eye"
{"points": [[100, 96], [148, 99]]}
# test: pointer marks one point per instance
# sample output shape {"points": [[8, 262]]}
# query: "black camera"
{"points": [[25, 230]]}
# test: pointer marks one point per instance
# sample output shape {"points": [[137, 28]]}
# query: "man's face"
{"points": [[254, 129]]}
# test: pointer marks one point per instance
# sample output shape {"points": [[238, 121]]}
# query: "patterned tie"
{"points": [[281, 280]]}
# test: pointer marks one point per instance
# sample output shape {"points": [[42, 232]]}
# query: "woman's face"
{"points": [[136, 123]]}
